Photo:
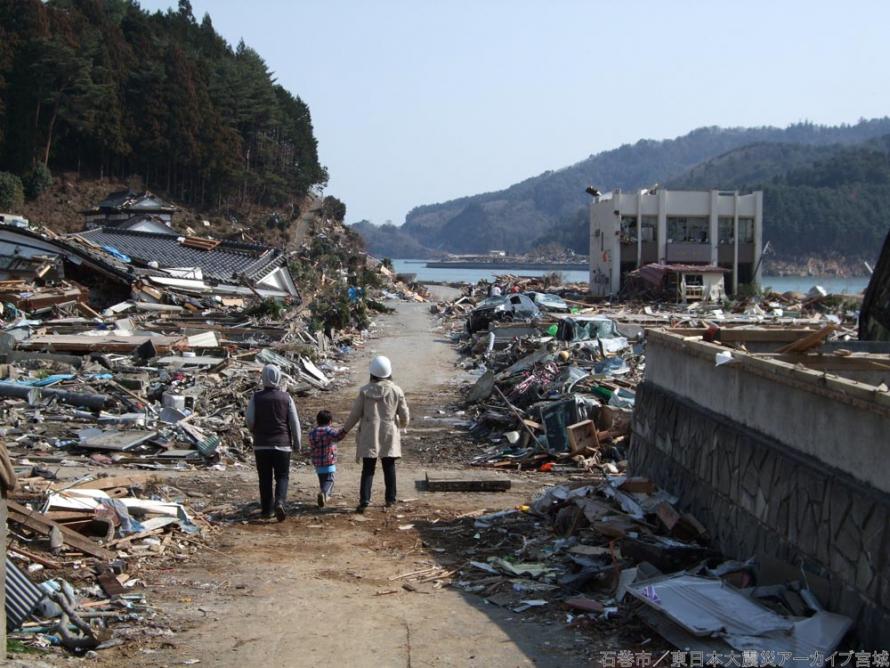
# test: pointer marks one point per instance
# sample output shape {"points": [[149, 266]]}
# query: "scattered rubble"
{"points": [[555, 393], [612, 554], [88, 542]]}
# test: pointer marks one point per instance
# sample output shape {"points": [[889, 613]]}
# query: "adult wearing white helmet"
{"points": [[379, 411]]}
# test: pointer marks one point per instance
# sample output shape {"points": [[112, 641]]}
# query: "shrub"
{"points": [[270, 307], [37, 181], [12, 194]]}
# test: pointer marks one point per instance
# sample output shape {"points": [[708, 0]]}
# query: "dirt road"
{"points": [[318, 589]]}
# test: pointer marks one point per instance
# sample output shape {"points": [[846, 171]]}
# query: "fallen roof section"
{"points": [[225, 261]]}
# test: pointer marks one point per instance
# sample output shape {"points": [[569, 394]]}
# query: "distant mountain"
{"points": [[390, 241], [550, 207]]}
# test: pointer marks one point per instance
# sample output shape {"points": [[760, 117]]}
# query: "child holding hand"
{"points": [[323, 439]]}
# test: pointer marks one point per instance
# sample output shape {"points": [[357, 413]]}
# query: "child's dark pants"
{"points": [[326, 482]]}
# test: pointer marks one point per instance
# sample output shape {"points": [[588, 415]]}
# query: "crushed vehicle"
{"points": [[500, 309], [549, 302]]}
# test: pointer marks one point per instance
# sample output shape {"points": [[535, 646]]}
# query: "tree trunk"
{"points": [[49, 135]]}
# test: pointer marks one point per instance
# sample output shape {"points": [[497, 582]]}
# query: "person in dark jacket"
{"points": [[273, 420]]}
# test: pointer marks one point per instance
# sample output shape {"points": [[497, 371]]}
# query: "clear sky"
{"points": [[421, 101]]}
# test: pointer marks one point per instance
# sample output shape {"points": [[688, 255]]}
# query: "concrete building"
{"points": [[630, 230]]}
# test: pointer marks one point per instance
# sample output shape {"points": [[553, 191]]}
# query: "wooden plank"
{"points": [[805, 343], [136, 536], [110, 584], [638, 484], [434, 485], [746, 335], [828, 362], [81, 343], [69, 515], [667, 514], [36, 558], [35, 521], [200, 243], [131, 480]]}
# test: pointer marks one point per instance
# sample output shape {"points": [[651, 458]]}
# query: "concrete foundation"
{"points": [[777, 464]]}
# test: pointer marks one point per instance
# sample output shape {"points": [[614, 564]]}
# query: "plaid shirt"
{"points": [[323, 445]]}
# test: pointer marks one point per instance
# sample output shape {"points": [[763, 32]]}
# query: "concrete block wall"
{"points": [[759, 497]]}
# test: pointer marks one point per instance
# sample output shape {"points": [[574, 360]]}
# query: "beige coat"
{"points": [[379, 411]]}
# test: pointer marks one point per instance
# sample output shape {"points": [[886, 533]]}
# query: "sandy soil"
{"points": [[318, 589]]}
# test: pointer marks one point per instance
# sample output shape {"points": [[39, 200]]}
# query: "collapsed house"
{"points": [[130, 210], [198, 264], [111, 262], [681, 283]]}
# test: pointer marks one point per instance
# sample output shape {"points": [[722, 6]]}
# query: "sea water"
{"points": [[776, 283]]}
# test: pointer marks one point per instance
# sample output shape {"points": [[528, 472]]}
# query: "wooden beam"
{"points": [[809, 341], [434, 485], [833, 362], [37, 522], [117, 481], [745, 335]]}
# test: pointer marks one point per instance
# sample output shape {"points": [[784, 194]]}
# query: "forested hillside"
{"points": [[550, 207], [103, 88]]}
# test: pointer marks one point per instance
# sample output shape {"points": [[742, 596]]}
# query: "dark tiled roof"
{"points": [[126, 200], [226, 262], [131, 222]]}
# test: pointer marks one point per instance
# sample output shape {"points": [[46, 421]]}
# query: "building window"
{"points": [[648, 225], [724, 230], [746, 230], [628, 229], [687, 229]]}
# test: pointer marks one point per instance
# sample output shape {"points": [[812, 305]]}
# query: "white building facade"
{"points": [[632, 229]]}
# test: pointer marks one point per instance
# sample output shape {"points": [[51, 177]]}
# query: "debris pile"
{"points": [[151, 389], [79, 550], [615, 551], [554, 392], [108, 354], [557, 377]]}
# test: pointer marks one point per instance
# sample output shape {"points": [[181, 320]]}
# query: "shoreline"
{"points": [[535, 266]]}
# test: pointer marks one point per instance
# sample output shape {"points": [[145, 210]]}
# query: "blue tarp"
{"points": [[116, 253]]}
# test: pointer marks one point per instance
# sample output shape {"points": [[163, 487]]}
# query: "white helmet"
{"points": [[381, 367]]}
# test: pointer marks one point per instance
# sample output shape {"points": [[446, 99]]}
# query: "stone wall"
{"points": [[758, 497]]}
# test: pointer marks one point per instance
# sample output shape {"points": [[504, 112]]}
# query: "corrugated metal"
{"points": [[22, 596]]}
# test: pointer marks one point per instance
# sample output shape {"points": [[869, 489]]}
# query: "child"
{"points": [[323, 449]]}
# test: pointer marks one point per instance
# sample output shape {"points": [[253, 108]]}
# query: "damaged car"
{"points": [[502, 309], [549, 302]]}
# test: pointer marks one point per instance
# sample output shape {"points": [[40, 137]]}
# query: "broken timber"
{"points": [[453, 485], [35, 521]]}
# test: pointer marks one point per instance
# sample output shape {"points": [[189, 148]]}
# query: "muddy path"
{"points": [[320, 588]]}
